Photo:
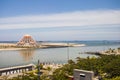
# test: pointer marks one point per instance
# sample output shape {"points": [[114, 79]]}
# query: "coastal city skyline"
{"points": [[60, 20]]}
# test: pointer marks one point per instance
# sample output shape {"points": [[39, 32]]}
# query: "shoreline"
{"points": [[106, 52], [9, 46], [11, 49]]}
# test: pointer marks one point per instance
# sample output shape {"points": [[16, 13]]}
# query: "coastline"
{"points": [[9, 46], [106, 52], [11, 49]]}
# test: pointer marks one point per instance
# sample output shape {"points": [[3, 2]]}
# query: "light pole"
{"points": [[38, 67], [68, 51]]}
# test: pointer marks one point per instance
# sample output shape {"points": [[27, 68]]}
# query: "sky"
{"points": [[59, 20]]}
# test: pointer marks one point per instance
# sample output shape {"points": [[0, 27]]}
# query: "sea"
{"points": [[9, 58]]}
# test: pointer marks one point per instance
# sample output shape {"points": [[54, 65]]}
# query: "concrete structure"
{"points": [[16, 69], [83, 75], [27, 40]]}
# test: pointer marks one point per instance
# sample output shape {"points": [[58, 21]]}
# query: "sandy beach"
{"points": [[9, 49], [11, 46]]}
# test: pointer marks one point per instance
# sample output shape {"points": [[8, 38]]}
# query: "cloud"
{"points": [[76, 35], [77, 18]]}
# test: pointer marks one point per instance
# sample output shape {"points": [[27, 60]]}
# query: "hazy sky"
{"points": [[60, 19]]}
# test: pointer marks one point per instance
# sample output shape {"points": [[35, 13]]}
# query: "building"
{"points": [[27, 41], [83, 75]]}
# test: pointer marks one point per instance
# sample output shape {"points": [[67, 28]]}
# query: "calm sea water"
{"points": [[53, 55]]}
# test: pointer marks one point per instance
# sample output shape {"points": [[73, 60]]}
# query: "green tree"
{"points": [[113, 68]]}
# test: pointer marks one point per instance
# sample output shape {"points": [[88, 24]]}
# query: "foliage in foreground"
{"points": [[116, 78], [108, 66]]}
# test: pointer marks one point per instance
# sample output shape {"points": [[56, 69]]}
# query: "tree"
{"points": [[113, 68]]}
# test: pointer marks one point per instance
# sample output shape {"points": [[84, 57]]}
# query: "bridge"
{"points": [[16, 69]]}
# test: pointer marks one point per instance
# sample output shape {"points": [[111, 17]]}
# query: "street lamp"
{"points": [[38, 67], [68, 51]]}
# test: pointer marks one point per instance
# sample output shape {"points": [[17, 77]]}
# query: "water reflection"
{"points": [[27, 54]]}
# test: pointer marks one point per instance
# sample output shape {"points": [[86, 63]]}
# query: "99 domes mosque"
{"points": [[27, 40]]}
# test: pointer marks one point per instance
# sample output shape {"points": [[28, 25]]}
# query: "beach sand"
{"points": [[10, 49]]}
